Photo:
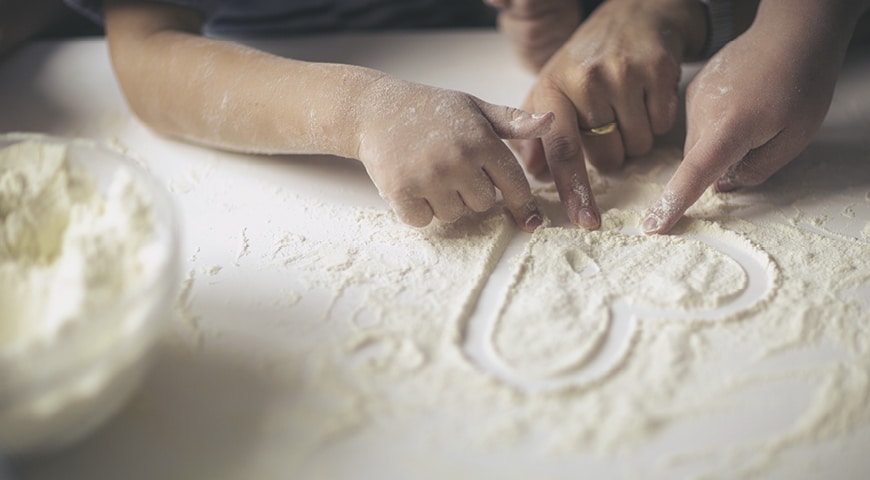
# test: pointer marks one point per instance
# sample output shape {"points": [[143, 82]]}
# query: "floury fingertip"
{"points": [[665, 212], [651, 225]]}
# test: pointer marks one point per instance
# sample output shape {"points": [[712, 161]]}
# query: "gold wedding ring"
{"points": [[598, 131]]}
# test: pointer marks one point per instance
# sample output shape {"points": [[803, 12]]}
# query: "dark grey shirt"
{"points": [[309, 16]]}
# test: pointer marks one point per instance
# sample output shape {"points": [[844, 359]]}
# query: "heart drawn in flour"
{"points": [[577, 298]]}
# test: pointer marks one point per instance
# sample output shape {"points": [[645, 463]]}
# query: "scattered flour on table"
{"points": [[395, 306], [432, 274], [557, 312], [244, 246], [183, 309]]}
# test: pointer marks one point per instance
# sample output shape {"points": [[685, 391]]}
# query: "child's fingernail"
{"points": [[533, 222], [650, 224]]}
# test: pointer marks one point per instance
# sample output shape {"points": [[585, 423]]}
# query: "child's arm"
{"points": [[431, 152]]}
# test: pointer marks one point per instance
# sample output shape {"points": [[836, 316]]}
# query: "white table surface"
{"points": [[210, 396]]}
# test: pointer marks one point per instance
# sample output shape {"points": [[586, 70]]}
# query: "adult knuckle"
{"points": [[622, 69], [594, 75], [563, 149]]}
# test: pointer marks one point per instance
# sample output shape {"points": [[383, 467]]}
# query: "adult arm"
{"points": [[758, 102]]}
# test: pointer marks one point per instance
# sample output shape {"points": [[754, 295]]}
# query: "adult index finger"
{"points": [[562, 147], [707, 160]]}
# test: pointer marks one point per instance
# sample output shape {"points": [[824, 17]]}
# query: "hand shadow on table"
{"points": [[193, 418]]}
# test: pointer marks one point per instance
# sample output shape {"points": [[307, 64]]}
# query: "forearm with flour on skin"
{"points": [[228, 95]]}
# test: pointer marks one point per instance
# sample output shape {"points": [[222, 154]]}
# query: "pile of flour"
{"points": [[70, 258]]}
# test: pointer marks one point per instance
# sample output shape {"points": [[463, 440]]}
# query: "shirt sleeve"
{"points": [[93, 9]]}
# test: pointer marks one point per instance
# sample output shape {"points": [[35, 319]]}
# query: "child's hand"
{"points": [[438, 153], [612, 86], [752, 109]]}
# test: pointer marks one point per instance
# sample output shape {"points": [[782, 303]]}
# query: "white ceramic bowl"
{"points": [[55, 394]]}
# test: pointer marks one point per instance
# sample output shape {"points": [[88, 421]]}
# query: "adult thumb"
{"points": [[508, 122]]}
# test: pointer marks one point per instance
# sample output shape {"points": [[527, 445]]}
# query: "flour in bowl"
{"points": [[77, 274]]}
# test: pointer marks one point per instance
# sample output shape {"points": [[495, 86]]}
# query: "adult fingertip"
{"points": [[664, 213]]}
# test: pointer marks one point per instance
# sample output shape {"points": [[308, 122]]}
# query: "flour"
{"points": [[697, 339], [70, 257], [405, 271], [244, 246], [603, 343]]}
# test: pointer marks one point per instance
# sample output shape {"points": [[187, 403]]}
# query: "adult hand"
{"points": [[439, 153], [752, 109], [620, 68], [537, 28]]}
